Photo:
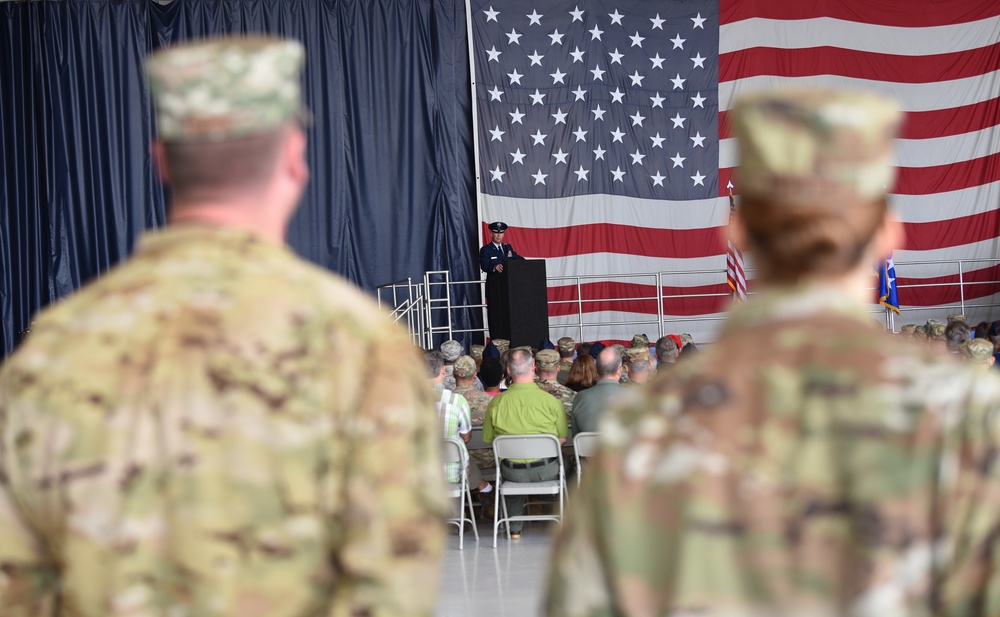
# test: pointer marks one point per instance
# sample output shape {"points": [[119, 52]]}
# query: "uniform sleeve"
{"points": [[577, 585], [390, 535], [484, 260], [971, 509], [26, 574]]}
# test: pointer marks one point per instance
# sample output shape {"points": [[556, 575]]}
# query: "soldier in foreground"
{"points": [[194, 434], [807, 464]]}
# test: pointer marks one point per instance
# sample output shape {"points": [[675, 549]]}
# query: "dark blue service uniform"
{"points": [[490, 256]]}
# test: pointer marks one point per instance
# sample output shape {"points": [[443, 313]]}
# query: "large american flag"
{"points": [[603, 141]]}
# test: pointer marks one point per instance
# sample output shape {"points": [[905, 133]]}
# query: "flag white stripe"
{"points": [[946, 206], [619, 266], [914, 152], [609, 209], [831, 32], [911, 97]]}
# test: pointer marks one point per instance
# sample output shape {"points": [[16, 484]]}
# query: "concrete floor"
{"points": [[486, 582]]}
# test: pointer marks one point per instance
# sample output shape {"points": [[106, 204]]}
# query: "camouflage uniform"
{"points": [[548, 360], [807, 463], [565, 344], [194, 434], [792, 469]]}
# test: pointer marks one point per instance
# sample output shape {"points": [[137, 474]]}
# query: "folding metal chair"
{"points": [[453, 451], [527, 447], [584, 446]]}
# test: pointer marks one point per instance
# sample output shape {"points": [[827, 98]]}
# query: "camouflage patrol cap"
{"points": [[501, 344], [451, 350], [956, 317], [815, 147], [978, 350], [547, 359], [225, 88], [620, 348], [476, 351], [637, 354], [686, 339], [566, 343], [908, 330], [936, 331], [638, 340], [921, 331], [465, 366], [934, 322]]}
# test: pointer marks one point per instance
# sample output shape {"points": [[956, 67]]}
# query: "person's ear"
{"points": [[294, 156], [889, 235], [159, 156], [736, 231]]}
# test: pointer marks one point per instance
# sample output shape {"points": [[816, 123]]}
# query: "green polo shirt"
{"points": [[524, 409]]}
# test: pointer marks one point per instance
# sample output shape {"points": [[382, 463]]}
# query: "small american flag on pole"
{"points": [[735, 274]]}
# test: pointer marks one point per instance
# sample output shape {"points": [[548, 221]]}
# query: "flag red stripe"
{"points": [[884, 12], [952, 177], [927, 124], [925, 180], [602, 296], [858, 64], [623, 239]]}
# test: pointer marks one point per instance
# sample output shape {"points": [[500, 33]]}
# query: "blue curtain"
{"points": [[390, 151]]}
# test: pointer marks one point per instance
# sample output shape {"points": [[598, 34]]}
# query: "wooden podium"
{"points": [[518, 303]]}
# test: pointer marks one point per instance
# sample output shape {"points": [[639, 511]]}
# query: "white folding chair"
{"points": [[527, 447], [453, 451], [584, 446]]}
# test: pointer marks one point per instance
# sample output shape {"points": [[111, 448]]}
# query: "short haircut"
{"points": [[639, 367], [491, 372], [608, 362], [665, 347], [520, 363], [956, 333], [435, 362], [207, 170], [583, 349], [563, 353]]}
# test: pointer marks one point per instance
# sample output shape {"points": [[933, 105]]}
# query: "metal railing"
{"points": [[430, 308]]}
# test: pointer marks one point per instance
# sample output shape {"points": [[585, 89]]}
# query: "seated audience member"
{"points": [[979, 351], [465, 379], [935, 335], [621, 352], [583, 374], [456, 423], [806, 463], [667, 348], [451, 350], [583, 349], [476, 351], [687, 351], [590, 403], [547, 365], [639, 366], [956, 334], [524, 409], [983, 330], [491, 374], [567, 352]]}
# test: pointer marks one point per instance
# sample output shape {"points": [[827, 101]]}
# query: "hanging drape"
{"points": [[390, 148]]}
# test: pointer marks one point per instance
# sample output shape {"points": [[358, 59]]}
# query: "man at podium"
{"points": [[496, 254]]}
